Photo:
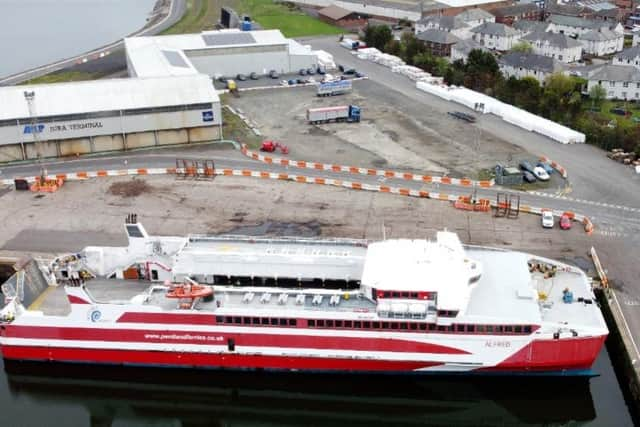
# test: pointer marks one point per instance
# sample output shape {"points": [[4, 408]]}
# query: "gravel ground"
{"points": [[394, 132]]}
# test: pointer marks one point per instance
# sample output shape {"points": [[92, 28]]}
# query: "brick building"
{"points": [[343, 18], [518, 12]]}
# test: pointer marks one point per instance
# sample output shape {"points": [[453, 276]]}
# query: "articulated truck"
{"points": [[343, 113]]}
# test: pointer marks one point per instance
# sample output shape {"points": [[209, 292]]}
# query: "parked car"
{"points": [[293, 81], [321, 70], [526, 166], [341, 68], [463, 116], [528, 176], [303, 71], [311, 71], [359, 74], [241, 77], [302, 81], [349, 71], [565, 222], [254, 76], [274, 74], [540, 173], [546, 166], [619, 111], [547, 219], [222, 79]]}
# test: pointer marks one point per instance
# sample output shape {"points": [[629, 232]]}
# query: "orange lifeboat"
{"points": [[189, 291]]}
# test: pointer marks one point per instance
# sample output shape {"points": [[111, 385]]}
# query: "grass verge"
{"points": [[64, 76], [199, 15], [286, 17], [234, 128]]}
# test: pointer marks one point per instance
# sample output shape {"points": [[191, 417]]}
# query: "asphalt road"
{"points": [[619, 220], [178, 8]]}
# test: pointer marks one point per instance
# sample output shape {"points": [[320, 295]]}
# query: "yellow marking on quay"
{"points": [[35, 305]]}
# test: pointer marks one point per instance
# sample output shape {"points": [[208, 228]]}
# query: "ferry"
{"points": [[397, 306]]}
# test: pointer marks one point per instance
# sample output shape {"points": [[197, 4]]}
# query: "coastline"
{"points": [[163, 12]]}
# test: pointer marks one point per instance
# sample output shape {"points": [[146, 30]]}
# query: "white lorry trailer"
{"points": [[336, 87], [342, 113]]}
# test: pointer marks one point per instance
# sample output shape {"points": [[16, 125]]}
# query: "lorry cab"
{"points": [[354, 113]]}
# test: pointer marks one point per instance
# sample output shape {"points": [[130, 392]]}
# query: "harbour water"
{"points": [[39, 32], [81, 395]]}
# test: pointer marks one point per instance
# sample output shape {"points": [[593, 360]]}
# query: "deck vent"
{"points": [[282, 299], [300, 299], [317, 300]]}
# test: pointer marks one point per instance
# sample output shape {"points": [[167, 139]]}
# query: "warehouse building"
{"points": [[63, 119], [216, 53]]}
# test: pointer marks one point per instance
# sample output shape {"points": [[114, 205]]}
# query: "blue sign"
{"points": [[207, 116], [28, 129]]}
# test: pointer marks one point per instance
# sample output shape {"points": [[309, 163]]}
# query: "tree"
{"points": [[522, 46], [562, 100], [377, 36], [482, 71], [393, 47], [411, 47], [597, 94]]}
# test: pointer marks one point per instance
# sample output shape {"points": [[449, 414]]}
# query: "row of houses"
{"points": [[564, 38]]}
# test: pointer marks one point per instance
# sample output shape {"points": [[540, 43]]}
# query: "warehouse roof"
{"points": [[147, 56], [106, 95]]}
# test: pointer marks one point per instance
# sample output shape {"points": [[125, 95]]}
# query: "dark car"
{"points": [[528, 176], [526, 166], [321, 70], [302, 81], [274, 74], [349, 71], [241, 77], [341, 68], [303, 71], [311, 71], [254, 76], [619, 111], [463, 116], [359, 74], [222, 79]]}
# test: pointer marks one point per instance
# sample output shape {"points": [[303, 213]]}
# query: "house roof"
{"points": [[616, 73], [334, 12], [553, 39], [572, 9], [495, 29], [474, 15], [630, 53], [531, 61], [516, 9], [466, 46], [526, 26], [601, 34], [437, 36], [574, 21], [447, 23]]}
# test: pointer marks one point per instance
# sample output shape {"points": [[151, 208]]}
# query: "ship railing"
{"points": [[283, 239]]}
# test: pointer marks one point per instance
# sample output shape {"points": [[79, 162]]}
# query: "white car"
{"points": [[540, 173], [547, 219]]}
